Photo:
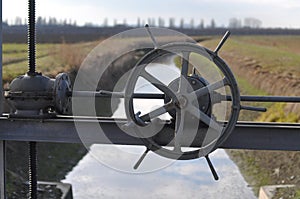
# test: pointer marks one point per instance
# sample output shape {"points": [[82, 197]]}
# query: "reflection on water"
{"points": [[183, 179]]}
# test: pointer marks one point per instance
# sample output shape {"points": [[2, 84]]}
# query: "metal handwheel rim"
{"points": [[182, 47]]}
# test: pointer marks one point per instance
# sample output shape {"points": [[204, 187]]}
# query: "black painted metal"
{"points": [[294, 99], [223, 40], [31, 37], [250, 135], [2, 143], [31, 72], [103, 93], [247, 98], [211, 167], [252, 108], [2, 169], [170, 49], [32, 168]]}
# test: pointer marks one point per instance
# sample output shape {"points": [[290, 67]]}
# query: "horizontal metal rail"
{"points": [[246, 135], [245, 98], [108, 94], [250, 98]]}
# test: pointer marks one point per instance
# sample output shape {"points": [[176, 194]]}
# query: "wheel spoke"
{"points": [[205, 90], [156, 82], [157, 112], [185, 64], [204, 118], [179, 123], [184, 72]]}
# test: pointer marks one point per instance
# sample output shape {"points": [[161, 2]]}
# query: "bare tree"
{"points": [[161, 22], [105, 22], [149, 22], [235, 23], [201, 25], [181, 23], [125, 22], [153, 22], [171, 22], [138, 23], [252, 23], [192, 24], [39, 21], [18, 21], [212, 24]]}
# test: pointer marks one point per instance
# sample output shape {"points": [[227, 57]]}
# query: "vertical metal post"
{"points": [[2, 170], [32, 169], [1, 88], [2, 143]]}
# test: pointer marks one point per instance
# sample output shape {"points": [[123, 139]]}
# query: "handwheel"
{"points": [[181, 100]]}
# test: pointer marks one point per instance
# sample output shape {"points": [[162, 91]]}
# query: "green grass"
{"points": [[15, 58], [248, 89], [11, 48], [288, 43], [278, 55], [256, 175], [51, 59], [277, 114], [297, 195], [275, 59]]}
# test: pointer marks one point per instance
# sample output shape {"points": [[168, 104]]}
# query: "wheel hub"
{"points": [[195, 82], [182, 102]]}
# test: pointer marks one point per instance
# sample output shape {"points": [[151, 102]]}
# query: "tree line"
{"points": [[158, 22]]}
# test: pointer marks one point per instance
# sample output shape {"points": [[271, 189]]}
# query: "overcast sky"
{"points": [[273, 13], [183, 179]]}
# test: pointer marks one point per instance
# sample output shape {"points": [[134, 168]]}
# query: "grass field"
{"points": [[267, 65], [276, 54], [263, 65], [56, 162], [51, 58]]}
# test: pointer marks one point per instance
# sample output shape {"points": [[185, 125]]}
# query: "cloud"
{"points": [[183, 179]]}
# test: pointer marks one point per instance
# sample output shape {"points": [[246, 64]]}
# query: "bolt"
{"points": [[193, 82], [203, 107]]}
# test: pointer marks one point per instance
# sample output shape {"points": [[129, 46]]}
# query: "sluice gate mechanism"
{"points": [[202, 106]]}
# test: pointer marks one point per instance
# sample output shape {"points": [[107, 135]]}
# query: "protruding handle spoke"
{"points": [[140, 160], [211, 87], [151, 36], [223, 40], [179, 123], [212, 168], [204, 118]]}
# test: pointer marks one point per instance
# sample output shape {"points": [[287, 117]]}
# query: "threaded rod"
{"points": [[32, 170], [31, 37]]}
